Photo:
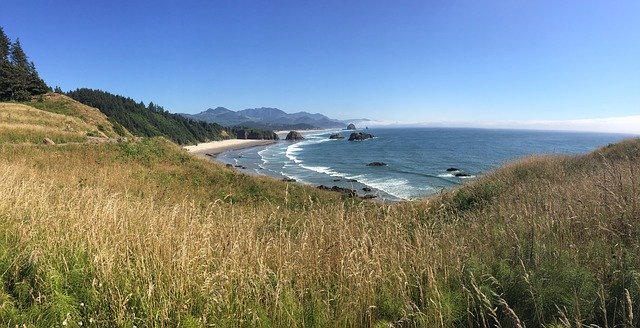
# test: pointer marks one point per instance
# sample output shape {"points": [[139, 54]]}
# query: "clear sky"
{"points": [[408, 61]]}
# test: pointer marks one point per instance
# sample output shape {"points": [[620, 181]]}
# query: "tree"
{"points": [[19, 79], [18, 57], [5, 45]]}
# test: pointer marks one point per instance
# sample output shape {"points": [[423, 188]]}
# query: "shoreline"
{"points": [[214, 148]]}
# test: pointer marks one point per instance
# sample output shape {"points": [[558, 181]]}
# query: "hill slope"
{"points": [[150, 120], [142, 233], [56, 117]]}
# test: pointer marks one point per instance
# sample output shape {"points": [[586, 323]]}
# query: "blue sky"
{"points": [[408, 61]]}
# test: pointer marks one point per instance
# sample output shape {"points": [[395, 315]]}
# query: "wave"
{"points": [[294, 149]]}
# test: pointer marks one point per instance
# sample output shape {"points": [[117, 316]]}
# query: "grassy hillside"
{"points": [[53, 116], [142, 233], [61, 104]]}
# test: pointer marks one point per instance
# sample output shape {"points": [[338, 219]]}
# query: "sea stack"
{"points": [[351, 126], [359, 136], [294, 136]]}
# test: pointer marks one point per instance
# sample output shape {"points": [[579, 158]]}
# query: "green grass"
{"points": [[142, 233]]}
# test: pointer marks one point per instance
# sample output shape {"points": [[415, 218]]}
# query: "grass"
{"points": [[61, 104], [141, 233]]}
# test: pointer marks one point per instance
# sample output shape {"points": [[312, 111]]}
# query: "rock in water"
{"points": [[359, 136], [460, 175], [377, 164], [294, 135], [336, 136], [453, 169], [351, 126]]}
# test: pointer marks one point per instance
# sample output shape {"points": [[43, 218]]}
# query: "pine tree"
{"points": [[5, 45], [6, 69], [19, 79], [18, 57]]}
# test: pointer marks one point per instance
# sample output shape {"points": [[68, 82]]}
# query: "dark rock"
{"points": [[238, 166], [289, 180], [368, 196], [336, 136], [359, 136], [351, 126], [352, 180], [336, 180], [377, 164], [229, 166], [460, 174], [294, 135], [452, 169], [210, 155], [346, 191], [366, 189]]}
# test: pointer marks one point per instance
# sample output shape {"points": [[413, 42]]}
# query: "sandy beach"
{"points": [[216, 147]]}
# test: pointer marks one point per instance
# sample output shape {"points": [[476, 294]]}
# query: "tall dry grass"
{"points": [[143, 234]]}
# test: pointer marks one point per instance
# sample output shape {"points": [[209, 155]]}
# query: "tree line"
{"points": [[153, 120], [147, 120], [19, 79]]}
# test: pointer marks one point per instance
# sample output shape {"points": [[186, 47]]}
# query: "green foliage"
{"points": [[475, 196], [19, 79], [147, 121]]}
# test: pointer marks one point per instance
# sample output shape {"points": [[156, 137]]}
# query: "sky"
{"points": [[393, 61]]}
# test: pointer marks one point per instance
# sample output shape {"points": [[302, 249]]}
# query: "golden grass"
{"points": [[158, 248], [61, 104], [142, 233]]}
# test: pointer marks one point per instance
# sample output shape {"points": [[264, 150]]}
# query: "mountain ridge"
{"points": [[267, 117]]}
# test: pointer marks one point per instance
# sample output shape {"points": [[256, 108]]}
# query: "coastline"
{"points": [[214, 148]]}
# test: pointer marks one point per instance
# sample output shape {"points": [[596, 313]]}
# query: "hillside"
{"points": [[142, 233], [56, 117], [150, 120], [266, 118]]}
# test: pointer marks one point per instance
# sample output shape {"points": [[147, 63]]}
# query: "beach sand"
{"points": [[216, 147]]}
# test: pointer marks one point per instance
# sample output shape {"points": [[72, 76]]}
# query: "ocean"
{"points": [[416, 159]]}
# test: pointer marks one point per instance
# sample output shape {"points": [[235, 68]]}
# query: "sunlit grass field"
{"points": [[140, 233]]}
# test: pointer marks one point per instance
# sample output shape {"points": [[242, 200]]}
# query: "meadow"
{"points": [[141, 233]]}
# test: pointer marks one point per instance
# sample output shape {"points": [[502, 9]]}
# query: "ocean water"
{"points": [[417, 158]]}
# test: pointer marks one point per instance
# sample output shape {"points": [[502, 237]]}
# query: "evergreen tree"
{"points": [[5, 45], [18, 57], [19, 79], [6, 69]]}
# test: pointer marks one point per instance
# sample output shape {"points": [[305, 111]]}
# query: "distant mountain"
{"points": [[267, 118]]}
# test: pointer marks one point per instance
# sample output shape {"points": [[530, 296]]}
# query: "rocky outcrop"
{"points": [[289, 180], [336, 136], [256, 134], [366, 189], [346, 191], [377, 164], [453, 169], [359, 136], [462, 175], [294, 136], [351, 126]]}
